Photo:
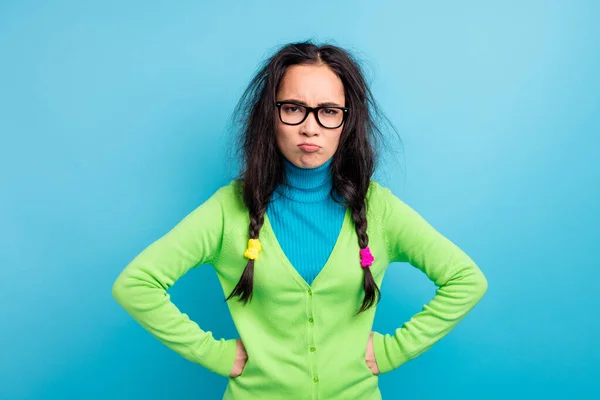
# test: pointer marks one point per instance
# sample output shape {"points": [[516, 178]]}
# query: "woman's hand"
{"points": [[370, 357], [240, 359]]}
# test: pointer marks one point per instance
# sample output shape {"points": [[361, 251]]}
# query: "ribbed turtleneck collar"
{"points": [[306, 185]]}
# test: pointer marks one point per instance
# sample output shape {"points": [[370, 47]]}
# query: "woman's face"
{"points": [[312, 86]]}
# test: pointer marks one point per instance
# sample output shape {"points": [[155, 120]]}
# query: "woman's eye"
{"points": [[291, 109], [330, 111]]}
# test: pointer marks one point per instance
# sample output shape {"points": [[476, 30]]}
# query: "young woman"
{"points": [[300, 243]]}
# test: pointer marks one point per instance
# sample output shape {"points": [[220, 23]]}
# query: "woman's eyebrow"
{"points": [[326, 104]]}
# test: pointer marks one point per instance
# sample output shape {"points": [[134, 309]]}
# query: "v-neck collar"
{"points": [[271, 233]]}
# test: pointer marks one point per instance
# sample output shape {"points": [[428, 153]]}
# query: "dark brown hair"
{"points": [[352, 165]]}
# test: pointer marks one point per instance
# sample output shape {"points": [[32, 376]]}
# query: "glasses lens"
{"points": [[331, 117], [292, 114]]}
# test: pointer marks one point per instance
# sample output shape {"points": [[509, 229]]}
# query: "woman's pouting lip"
{"points": [[309, 147]]}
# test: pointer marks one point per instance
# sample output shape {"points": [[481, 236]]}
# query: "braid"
{"points": [[372, 293], [245, 285]]}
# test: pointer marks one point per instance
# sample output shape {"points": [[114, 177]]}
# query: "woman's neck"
{"points": [[306, 185]]}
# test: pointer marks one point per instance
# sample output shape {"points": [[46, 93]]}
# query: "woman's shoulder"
{"points": [[381, 199], [377, 192], [230, 194], [232, 188]]}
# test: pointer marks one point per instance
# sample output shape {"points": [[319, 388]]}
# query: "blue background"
{"points": [[113, 124]]}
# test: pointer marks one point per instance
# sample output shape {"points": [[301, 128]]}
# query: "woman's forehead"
{"points": [[311, 85]]}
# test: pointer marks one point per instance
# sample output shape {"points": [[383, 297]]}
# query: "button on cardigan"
{"points": [[303, 341]]}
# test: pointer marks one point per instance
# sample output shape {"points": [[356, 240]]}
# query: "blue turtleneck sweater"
{"points": [[305, 219]]}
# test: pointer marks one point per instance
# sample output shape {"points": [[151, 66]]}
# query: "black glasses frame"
{"points": [[314, 110]]}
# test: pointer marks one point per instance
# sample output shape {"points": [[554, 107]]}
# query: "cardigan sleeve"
{"points": [[141, 288], [460, 283]]}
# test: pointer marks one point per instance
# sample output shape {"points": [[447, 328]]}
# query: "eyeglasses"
{"points": [[329, 117]]}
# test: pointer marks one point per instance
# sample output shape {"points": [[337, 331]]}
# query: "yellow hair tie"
{"points": [[253, 249]]}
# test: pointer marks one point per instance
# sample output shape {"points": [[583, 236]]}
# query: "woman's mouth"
{"points": [[309, 148]]}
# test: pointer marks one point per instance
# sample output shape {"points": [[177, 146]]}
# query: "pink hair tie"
{"points": [[366, 258]]}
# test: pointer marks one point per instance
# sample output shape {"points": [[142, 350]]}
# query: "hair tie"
{"points": [[253, 249], [366, 258]]}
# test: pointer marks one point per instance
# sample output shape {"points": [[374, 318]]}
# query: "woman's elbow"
{"points": [[119, 290], [479, 283]]}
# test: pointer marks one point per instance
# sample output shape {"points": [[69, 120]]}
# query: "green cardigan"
{"points": [[303, 342]]}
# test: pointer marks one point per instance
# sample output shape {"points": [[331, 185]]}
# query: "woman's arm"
{"points": [[141, 288], [461, 284]]}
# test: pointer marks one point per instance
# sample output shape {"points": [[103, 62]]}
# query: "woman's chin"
{"points": [[310, 162]]}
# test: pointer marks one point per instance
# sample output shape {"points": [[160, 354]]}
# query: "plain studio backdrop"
{"points": [[114, 125]]}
